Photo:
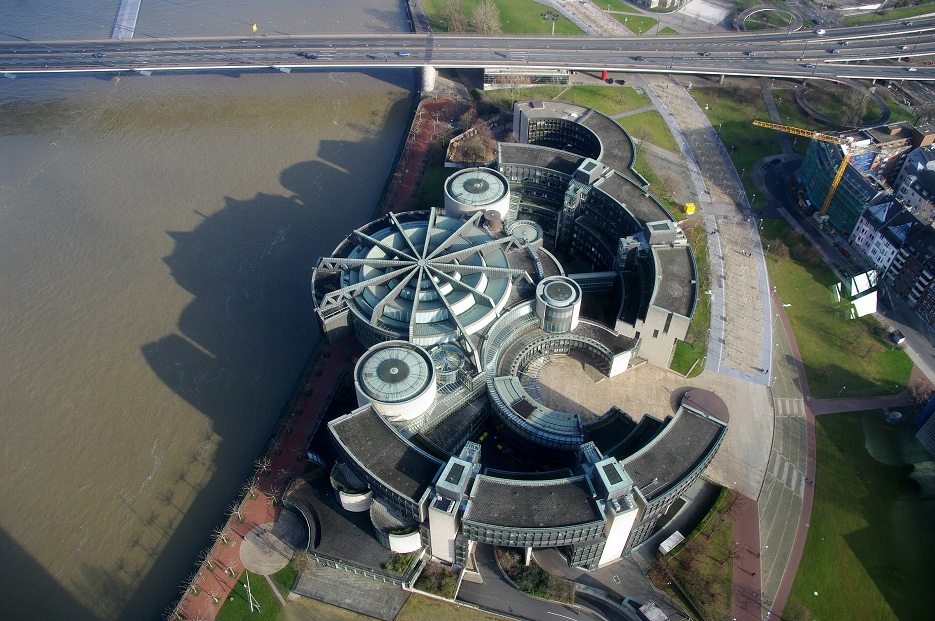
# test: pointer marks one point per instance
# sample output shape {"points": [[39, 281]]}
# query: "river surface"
{"points": [[156, 240]]}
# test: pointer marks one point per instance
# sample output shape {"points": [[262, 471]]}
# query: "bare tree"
{"points": [[466, 121], [262, 465], [220, 534], [486, 17], [205, 557], [668, 182], [920, 391], [453, 16], [639, 134], [249, 487], [514, 86], [236, 512], [732, 553]]}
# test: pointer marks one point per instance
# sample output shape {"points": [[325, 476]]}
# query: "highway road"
{"points": [[868, 52]]}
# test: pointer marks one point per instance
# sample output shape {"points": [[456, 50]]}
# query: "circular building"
{"points": [[476, 189], [397, 379], [558, 303], [405, 277]]}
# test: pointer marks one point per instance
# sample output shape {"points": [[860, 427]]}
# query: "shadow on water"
{"points": [[243, 266], [20, 573]]}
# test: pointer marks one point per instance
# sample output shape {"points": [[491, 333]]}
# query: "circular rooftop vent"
{"points": [[476, 189], [397, 379]]}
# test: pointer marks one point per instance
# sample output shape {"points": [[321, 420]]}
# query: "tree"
{"points": [[466, 121], [920, 391], [220, 534], [486, 17], [668, 182], [639, 134], [854, 106], [452, 15], [732, 553]]}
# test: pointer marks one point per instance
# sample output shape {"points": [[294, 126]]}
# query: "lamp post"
{"points": [[840, 391]]}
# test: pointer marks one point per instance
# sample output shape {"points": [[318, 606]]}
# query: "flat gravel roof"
{"points": [[532, 504], [675, 291], [674, 453], [384, 453]]}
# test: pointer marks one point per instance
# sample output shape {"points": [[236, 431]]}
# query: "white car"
{"points": [[911, 69], [402, 53], [820, 31]]}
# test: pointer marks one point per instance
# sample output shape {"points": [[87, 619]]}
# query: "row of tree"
{"points": [[485, 19]]}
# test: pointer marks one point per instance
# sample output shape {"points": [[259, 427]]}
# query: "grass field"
{"points": [[651, 125], [609, 100], [516, 16], [870, 546], [637, 24], [852, 355], [703, 564], [732, 110], [908, 11], [237, 607], [616, 5], [689, 355]]}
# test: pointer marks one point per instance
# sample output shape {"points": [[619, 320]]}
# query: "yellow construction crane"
{"points": [[807, 133]]}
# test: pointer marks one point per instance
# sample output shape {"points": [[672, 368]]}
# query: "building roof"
{"points": [[681, 446], [641, 205], [388, 457], [532, 504], [542, 157], [617, 150], [676, 285]]}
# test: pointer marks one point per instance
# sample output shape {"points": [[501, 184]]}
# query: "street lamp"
{"points": [[840, 391]]}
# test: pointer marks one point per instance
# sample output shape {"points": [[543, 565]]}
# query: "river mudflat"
{"points": [[156, 239]]}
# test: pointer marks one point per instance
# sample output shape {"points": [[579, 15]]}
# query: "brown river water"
{"points": [[156, 239]]}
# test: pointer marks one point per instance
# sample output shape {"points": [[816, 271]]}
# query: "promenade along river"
{"points": [[156, 239]]}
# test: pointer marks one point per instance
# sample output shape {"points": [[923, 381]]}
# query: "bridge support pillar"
{"points": [[721, 81], [428, 78]]}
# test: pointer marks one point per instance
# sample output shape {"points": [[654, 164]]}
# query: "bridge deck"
{"points": [[127, 15]]}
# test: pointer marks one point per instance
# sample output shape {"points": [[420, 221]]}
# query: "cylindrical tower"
{"points": [[558, 303], [476, 189], [397, 379]]}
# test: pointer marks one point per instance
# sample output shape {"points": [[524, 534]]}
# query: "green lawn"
{"points": [[793, 115], [836, 352], [690, 354], [703, 563], [516, 16], [668, 30], [501, 96], [870, 547], [284, 578], [651, 125], [608, 100], [419, 608], [637, 24], [616, 5], [731, 111], [908, 11], [237, 607]]}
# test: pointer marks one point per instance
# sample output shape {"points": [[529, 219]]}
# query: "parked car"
{"points": [[897, 337]]}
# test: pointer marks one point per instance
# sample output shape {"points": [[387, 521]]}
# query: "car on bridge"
{"points": [[307, 55], [402, 53], [911, 69], [639, 58], [820, 31], [98, 55], [809, 66]]}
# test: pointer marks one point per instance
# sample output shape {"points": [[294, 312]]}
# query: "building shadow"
{"points": [[250, 318]]}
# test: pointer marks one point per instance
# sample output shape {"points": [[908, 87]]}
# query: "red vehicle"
{"points": [[845, 252]]}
